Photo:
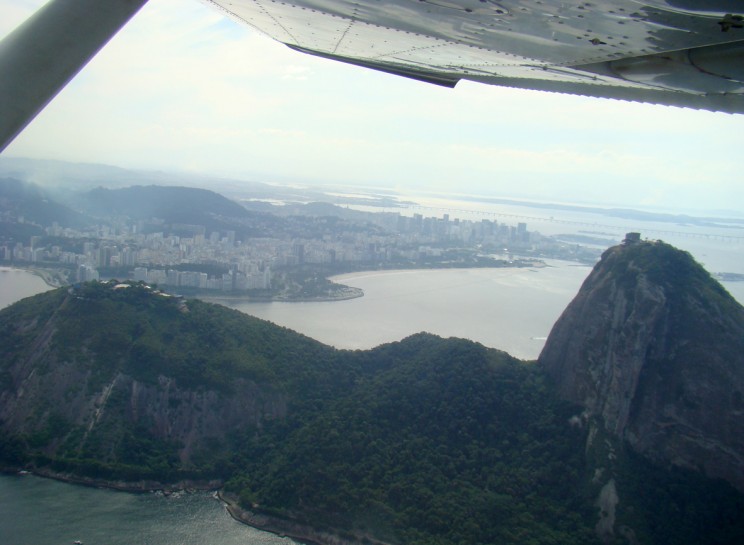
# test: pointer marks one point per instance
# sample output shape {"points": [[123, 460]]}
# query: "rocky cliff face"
{"points": [[653, 347], [72, 409], [128, 377]]}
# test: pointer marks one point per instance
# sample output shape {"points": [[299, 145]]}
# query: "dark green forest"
{"points": [[424, 441]]}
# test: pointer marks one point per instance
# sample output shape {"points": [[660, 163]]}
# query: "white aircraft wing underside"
{"points": [[676, 52]]}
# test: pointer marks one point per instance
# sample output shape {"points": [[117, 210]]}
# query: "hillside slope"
{"points": [[423, 441], [34, 204], [115, 377]]}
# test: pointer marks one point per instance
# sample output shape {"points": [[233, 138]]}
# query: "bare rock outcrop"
{"points": [[122, 377], [168, 411], [654, 347]]}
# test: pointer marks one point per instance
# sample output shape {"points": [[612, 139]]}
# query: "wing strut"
{"points": [[39, 57]]}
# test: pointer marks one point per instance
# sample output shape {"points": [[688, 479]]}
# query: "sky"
{"points": [[182, 88]]}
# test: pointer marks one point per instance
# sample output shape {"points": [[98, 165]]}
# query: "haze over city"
{"points": [[183, 88]]}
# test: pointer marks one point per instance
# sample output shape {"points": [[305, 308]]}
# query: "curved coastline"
{"points": [[355, 294], [49, 276], [144, 485], [295, 530]]}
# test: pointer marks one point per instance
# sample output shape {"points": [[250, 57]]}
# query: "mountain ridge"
{"points": [[425, 440]]}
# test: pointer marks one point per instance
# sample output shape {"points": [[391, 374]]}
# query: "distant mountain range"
{"points": [[628, 430], [171, 206], [62, 176], [173, 209], [36, 205], [167, 207]]}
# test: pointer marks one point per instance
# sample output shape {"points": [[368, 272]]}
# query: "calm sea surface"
{"points": [[16, 284], [511, 309], [36, 511]]}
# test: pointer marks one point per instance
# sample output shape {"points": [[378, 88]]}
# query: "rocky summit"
{"points": [[653, 349]]}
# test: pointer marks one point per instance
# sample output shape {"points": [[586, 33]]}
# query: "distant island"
{"points": [[730, 277]]}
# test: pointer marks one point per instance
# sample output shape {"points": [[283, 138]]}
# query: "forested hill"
{"points": [[424, 441], [174, 206], [34, 204]]}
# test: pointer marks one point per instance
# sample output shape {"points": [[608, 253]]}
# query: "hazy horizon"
{"points": [[48, 178], [182, 88]]}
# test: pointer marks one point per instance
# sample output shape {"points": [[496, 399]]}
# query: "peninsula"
{"points": [[426, 440], [198, 243]]}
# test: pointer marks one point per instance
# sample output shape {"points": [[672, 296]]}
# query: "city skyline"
{"points": [[182, 88]]}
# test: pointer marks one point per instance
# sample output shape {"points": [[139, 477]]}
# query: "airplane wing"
{"points": [[687, 53], [39, 57]]}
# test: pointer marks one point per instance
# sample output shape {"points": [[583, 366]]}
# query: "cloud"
{"points": [[296, 73]]}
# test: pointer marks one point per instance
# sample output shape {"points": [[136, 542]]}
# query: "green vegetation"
{"points": [[664, 265], [676, 505], [424, 441], [136, 332], [688, 290], [434, 431]]}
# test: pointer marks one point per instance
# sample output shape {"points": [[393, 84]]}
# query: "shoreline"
{"points": [[132, 487], [297, 531], [49, 276], [249, 299], [53, 279]]}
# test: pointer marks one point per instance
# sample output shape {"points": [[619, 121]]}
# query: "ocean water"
{"points": [[16, 284], [37, 511], [512, 309]]}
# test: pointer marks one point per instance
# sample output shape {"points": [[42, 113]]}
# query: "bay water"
{"points": [[512, 309], [17, 284], [37, 511]]}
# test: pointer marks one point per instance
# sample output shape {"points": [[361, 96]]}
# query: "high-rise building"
{"points": [[86, 273], [172, 277], [298, 249]]}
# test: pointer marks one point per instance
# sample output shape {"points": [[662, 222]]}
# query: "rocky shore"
{"points": [[298, 531], [143, 485]]}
